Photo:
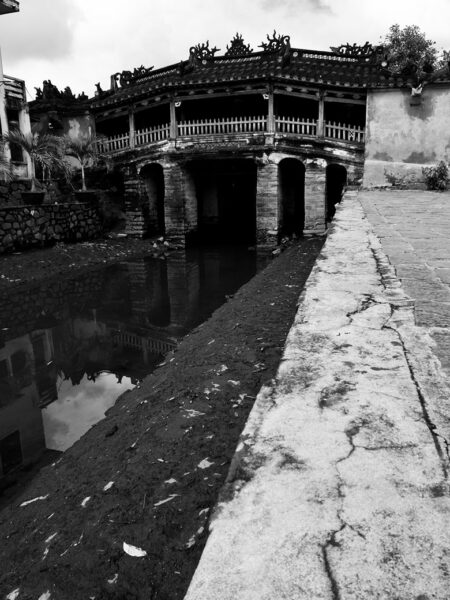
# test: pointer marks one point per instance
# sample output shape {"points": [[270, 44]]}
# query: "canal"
{"points": [[124, 512], [68, 350]]}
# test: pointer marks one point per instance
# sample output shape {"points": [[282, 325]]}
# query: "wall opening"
{"points": [[348, 114], [228, 106], [226, 200], [299, 108], [336, 180], [119, 125], [152, 177], [152, 117], [291, 195]]}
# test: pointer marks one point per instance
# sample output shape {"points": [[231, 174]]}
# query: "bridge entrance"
{"points": [[152, 177], [226, 200], [336, 178], [291, 186]]}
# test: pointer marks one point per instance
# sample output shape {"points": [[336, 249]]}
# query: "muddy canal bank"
{"points": [[149, 474], [22, 268]]}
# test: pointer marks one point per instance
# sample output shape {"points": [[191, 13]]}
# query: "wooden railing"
{"points": [[114, 143], [233, 126], [152, 134], [346, 133], [224, 126], [296, 126]]}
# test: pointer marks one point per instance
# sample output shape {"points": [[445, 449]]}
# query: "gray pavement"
{"points": [[414, 230], [339, 488]]}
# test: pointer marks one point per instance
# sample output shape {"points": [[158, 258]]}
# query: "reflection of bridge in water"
{"points": [[121, 319]]}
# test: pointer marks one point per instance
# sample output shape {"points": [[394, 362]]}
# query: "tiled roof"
{"points": [[304, 67], [8, 6]]}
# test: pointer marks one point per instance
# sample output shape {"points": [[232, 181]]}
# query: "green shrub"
{"points": [[436, 177]]}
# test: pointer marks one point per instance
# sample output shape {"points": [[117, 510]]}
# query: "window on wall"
{"points": [[13, 123]]}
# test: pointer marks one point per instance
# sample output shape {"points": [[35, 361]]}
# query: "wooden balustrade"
{"points": [[114, 143], [152, 134], [225, 126], [233, 126], [296, 126], [346, 133]]}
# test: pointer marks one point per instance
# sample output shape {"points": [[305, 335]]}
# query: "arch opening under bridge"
{"points": [[291, 195], [152, 177]]}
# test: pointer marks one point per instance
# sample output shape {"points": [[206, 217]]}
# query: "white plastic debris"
{"points": [[13, 595], [171, 497], [34, 500], [85, 501], [114, 579], [134, 550], [108, 486], [191, 413], [45, 596], [204, 464], [171, 480]]}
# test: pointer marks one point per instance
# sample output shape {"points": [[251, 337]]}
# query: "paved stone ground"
{"points": [[339, 489], [414, 230]]}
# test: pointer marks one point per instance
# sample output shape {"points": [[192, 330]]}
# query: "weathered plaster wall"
{"points": [[27, 226], [401, 138]]}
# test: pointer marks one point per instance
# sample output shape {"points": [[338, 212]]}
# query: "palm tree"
{"points": [[5, 164], [85, 150], [43, 149]]}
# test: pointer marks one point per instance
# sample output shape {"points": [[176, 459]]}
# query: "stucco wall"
{"points": [[402, 138]]}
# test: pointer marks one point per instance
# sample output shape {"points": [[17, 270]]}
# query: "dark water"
{"points": [[69, 349]]}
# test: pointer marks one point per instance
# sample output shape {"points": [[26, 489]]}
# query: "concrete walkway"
{"points": [[339, 488], [414, 229]]}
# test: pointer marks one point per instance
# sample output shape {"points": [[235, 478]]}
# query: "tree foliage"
{"points": [[85, 150], [43, 150], [409, 52]]}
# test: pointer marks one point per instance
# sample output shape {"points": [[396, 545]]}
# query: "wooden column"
{"points": [[320, 121], [173, 121], [270, 113], [131, 127]]}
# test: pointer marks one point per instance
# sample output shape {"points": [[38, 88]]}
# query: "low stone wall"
{"points": [[11, 191], [27, 226]]}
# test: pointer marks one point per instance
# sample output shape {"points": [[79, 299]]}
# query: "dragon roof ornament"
{"points": [[276, 43], [202, 52], [237, 47], [366, 51]]}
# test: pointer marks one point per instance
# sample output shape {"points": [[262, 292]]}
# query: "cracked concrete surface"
{"points": [[339, 487]]}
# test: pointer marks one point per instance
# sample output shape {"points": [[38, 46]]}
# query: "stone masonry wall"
{"points": [[29, 226], [315, 196], [11, 191], [174, 206], [267, 216]]}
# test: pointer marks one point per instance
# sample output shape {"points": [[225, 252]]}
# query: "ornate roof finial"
{"points": [[276, 43], [355, 51], [202, 52], [237, 47]]}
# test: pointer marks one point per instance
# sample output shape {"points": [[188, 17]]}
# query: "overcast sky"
{"points": [[78, 43]]}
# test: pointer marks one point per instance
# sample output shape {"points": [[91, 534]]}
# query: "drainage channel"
{"points": [[128, 505]]}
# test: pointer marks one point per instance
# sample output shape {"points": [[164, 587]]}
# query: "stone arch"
{"points": [[336, 181], [152, 177], [291, 196]]}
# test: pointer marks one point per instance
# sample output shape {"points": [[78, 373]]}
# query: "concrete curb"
{"points": [[339, 486]]}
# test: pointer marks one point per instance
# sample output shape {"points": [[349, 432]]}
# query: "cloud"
{"points": [[43, 29], [79, 407], [297, 6]]}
